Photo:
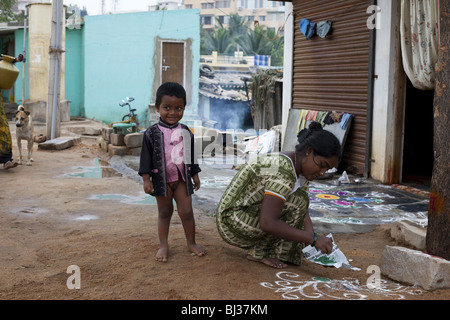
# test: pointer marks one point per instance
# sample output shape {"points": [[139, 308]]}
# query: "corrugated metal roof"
{"points": [[224, 85], [332, 74]]}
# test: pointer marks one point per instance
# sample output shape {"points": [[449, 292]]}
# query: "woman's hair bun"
{"points": [[306, 133], [323, 142]]}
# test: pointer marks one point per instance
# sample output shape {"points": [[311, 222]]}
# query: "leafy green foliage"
{"points": [[241, 36], [6, 13]]}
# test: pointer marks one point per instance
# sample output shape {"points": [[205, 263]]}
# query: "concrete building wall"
{"points": [[74, 84], [388, 109], [121, 60], [111, 57], [23, 67], [39, 33], [268, 13]]}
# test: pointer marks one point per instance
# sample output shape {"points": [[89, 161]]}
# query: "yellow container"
{"points": [[8, 72]]}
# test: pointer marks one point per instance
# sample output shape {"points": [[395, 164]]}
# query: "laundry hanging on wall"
{"points": [[261, 60], [338, 123], [324, 118], [419, 41], [311, 29]]}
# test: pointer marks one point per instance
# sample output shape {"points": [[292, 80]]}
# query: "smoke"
{"points": [[230, 114]]}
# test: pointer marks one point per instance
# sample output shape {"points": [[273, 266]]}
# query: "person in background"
{"points": [[5, 134]]}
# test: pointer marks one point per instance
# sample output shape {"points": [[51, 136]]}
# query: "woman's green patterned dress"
{"points": [[5, 135], [240, 207]]}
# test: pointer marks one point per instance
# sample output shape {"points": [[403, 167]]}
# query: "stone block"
{"points": [[415, 268], [84, 130], [117, 139], [38, 109], [64, 106], [106, 133], [117, 150], [134, 151], [104, 145], [134, 140], [409, 233], [60, 143]]}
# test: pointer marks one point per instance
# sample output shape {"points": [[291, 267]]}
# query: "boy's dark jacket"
{"points": [[153, 161]]}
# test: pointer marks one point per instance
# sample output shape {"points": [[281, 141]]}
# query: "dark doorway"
{"points": [[418, 137]]}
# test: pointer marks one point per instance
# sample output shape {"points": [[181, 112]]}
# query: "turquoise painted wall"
{"points": [[18, 48], [119, 51], [111, 57], [74, 68], [74, 76]]}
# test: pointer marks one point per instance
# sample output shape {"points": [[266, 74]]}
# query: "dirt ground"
{"points": [[49, 222]]}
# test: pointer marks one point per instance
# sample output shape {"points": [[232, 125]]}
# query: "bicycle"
{"points": [[130, 116]]}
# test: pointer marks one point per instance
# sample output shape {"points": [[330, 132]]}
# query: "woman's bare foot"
{"points": [[271, 262], [197, 250], [161, 254], [10, 164]]}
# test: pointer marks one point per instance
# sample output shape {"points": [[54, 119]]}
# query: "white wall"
{"points": [[383, 139], [287, 64]]}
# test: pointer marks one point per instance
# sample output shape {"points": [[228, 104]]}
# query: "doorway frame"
{"points": [[162, 41], [389, 98]]}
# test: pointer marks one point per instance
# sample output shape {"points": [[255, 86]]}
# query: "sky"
{"points": [[94, 6]]}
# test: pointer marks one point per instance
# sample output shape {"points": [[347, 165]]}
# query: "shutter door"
{"points": [[331, 74]]}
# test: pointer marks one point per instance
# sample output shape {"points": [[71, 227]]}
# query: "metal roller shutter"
{"points": [[331, 74]]}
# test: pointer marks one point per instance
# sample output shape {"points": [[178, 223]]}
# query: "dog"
{"points": [[24, 131]]}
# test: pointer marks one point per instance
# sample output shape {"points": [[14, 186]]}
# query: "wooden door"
{"points": [[172, 62]]}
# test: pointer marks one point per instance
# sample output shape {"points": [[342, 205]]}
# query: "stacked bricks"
{"points": [[119, 144]]}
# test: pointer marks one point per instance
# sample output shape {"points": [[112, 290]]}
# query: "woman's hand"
{"points": [[324, 244], [19, 58]]}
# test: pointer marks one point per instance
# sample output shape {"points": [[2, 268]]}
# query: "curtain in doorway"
{"points": [[419, 40]]}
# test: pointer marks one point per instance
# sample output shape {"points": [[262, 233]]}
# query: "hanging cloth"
{"points": [[321, 117], [311, 115], [345, 118], [302, 120], [419, 41]]}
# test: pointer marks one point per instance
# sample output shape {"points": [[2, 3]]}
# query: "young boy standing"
{"points": [[168, 167]]}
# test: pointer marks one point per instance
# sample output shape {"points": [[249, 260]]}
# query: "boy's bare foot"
{"points": [[161, 255], [271, 262], [197, 250]]}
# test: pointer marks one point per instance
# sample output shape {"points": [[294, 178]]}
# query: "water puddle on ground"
{"points": [[100, 169], [140, 199], [87, 217]]}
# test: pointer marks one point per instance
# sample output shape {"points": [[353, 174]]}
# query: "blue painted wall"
{"points": [[18, 48], [119, 55], [112, 56], [74, 70]]}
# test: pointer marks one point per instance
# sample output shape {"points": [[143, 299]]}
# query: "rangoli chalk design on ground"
{"points": [[290, 286]]}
